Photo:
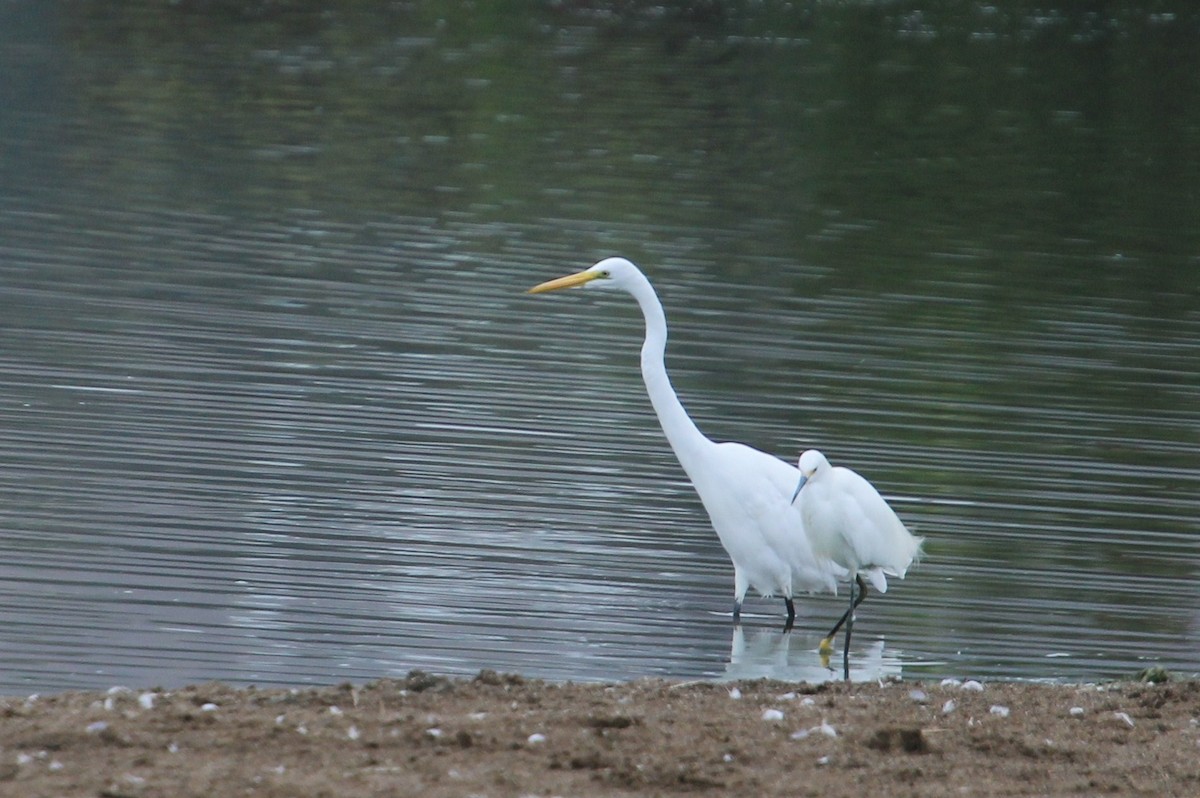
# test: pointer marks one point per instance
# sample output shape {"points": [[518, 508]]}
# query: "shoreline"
{"points": [[504, 734]]}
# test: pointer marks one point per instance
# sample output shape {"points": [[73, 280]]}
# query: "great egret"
{"points": [[847, 521], [745, 491]]}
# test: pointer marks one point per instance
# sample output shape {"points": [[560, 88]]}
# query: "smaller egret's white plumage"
{"points": [[848, 522]]}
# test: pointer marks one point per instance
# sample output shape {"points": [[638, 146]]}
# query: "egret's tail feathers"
{"points": [[914, 557]]}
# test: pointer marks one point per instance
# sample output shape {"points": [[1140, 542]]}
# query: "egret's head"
{"points": [[608, 273], [811, 463]]}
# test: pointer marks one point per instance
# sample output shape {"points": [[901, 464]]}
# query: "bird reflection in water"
{"points": [[788, 657]]}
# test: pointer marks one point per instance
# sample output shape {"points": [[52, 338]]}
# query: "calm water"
{"points": [[274, 407]]}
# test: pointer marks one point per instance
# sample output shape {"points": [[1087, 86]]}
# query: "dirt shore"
{"points": [[501, 735]]}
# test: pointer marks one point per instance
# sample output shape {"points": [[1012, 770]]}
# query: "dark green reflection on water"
{"points": [[970, 130]]}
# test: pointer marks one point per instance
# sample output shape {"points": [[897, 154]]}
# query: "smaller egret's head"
{"points": [[608, 273], [811, 463]]}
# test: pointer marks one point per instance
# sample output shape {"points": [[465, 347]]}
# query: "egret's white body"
{"points": [[847, 521], [745, 492]]}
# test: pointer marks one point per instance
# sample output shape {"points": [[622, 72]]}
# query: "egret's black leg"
{"points": [[862, 594], [849, 631], [737, 611], [791, 614]]}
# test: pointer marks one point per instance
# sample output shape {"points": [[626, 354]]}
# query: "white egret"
{"points": [[745, 491], [847, 521]]}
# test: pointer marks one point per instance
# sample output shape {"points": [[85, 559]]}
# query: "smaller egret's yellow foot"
{"points": [[826, 646]]}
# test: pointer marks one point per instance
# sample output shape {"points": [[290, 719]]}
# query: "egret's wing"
{"points": [[876, 534], [763, 486]]}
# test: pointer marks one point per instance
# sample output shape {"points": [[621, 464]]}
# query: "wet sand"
{"points": [[503, 735]]}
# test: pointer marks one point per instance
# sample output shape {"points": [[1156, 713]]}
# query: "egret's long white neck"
{"points": [[685, 438]]}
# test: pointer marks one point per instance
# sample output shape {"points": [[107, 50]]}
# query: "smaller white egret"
{"points": [[847, 521]]}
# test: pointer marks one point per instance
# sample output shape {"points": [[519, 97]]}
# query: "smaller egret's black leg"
{"points": [[849, 630], [737, 611], [791, 614], [827, 643]]}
